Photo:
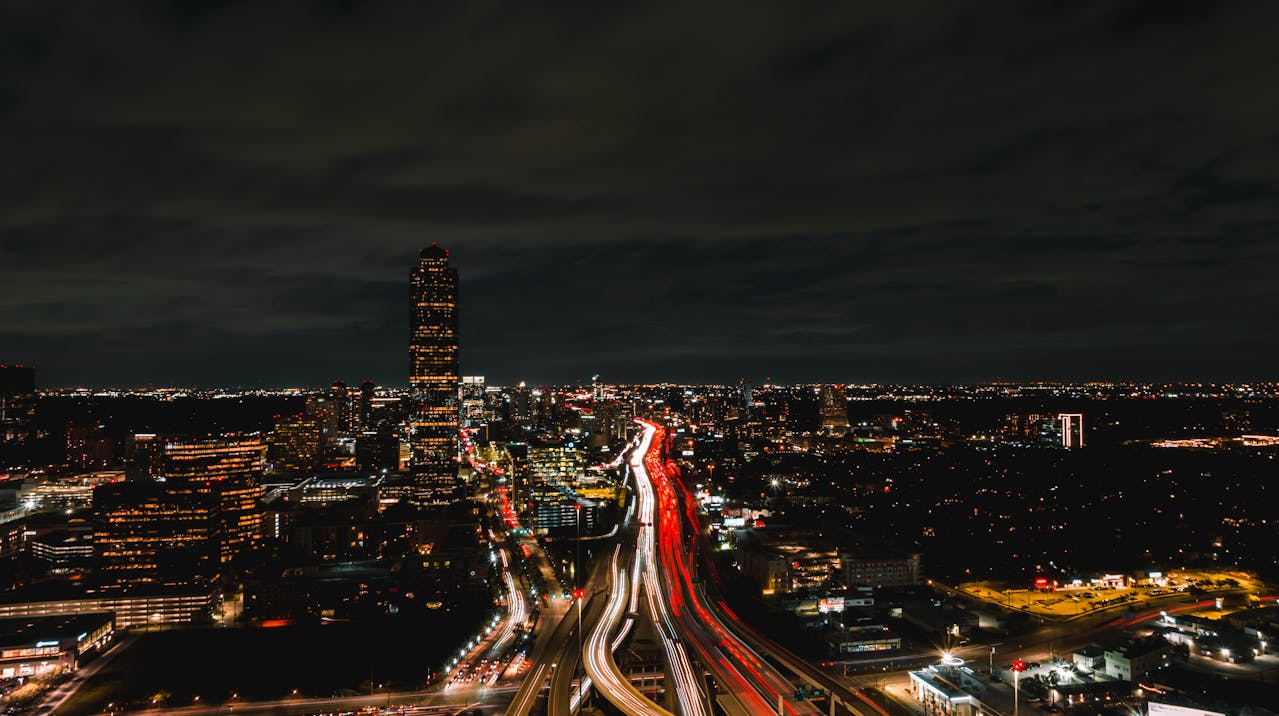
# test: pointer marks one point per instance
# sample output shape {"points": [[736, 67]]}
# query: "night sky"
{"points": [[234, 193]]}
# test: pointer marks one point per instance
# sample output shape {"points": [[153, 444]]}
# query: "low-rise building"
{"points": [[1090, 658], [131, 608], [43, 646], [948, 689], [1136, 659], [860, 641]]}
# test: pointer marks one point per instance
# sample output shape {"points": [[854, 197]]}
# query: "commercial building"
{"points": [[64, 550], [156, 534], [1072, 430], [230, 468], [554, 462], [787, 566], [905, 570], [340, 404], [948, 689], [43, 646], [378, 450], [332, 489], [137, 607], [834, 408], [88, 447], [433, 378], [17, 403], [472, 394], [1137, 659], [296, 443], [143, 456], [364, 410]]}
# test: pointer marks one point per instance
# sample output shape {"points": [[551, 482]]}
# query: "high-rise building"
{"points": [[433, 378], [523, 404], [88, 447], [472, 396], [367, 389], [834, 406], [155, 534], [378, 450], [555, 462], [1072, 429], [17, 402], [324, 409], [340, 397], [231, 469], [143, 456], [296, 443]]}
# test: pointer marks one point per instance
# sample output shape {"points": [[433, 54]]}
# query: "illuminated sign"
{"points": [[830, 604], [734, 521], [43, 644]]}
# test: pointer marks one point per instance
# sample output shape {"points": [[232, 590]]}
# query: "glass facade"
{"points": [[433, 378]]}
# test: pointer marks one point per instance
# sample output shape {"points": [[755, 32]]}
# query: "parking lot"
{"points": [[1064, 602]]}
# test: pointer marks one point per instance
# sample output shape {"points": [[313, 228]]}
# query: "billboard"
{"points": [[830, 604]]}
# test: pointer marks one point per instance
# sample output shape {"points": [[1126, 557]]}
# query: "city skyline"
{"points": [[941, 194], [639, 359]]}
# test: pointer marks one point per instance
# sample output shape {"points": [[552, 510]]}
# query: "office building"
{"points": [[522, 404], [88, 447], [143, 456], [554, 462], [232, 469], [64, 550], [378, 450], [472, 396], [433, 378], [156, 535], [1072, 430], [17, 403], [340, 398], [365, 411], [296, 443], [905, 570], [834, 408]]}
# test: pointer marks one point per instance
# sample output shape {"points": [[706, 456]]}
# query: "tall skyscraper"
{"points": [[367, 389], [433, 378], [17, 402], [341, 399]]}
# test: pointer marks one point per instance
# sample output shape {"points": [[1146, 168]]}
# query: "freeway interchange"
{"points": [[712, 663]]}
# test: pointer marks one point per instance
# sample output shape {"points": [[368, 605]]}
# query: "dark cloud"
{"points": [[234, 192]]}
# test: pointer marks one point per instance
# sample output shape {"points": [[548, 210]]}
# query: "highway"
{"points": [[691, 700], [748, 679], [651, 569], [598, 657], [742, 649]]}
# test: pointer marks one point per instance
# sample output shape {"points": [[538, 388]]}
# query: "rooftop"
{"points": [[24, 631]]}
